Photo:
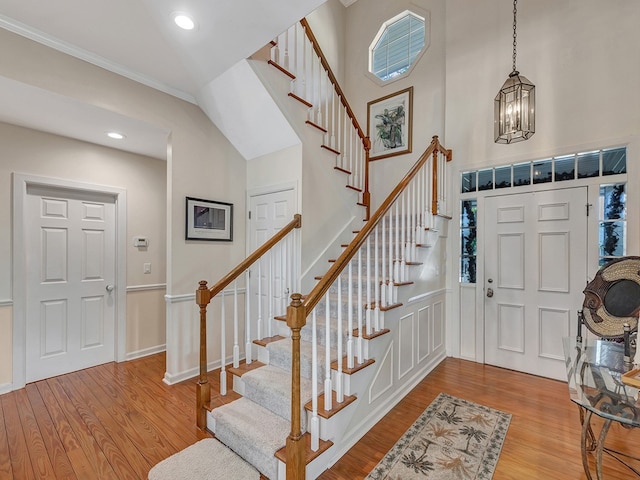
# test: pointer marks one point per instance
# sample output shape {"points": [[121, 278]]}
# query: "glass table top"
{"points": [[594, 371]]}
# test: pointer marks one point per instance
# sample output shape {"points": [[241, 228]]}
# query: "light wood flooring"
{"points": [[116, 421]]}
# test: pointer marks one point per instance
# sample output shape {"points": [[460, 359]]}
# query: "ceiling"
{"points": [[137, 39]]}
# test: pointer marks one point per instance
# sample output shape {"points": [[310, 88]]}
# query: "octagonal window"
{"points": [[397, 46]]}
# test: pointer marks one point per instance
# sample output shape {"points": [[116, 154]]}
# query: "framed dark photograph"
{"points": [[389, 124], [209, 220]]}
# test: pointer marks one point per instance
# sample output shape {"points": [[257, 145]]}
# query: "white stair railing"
{"points": [[397, 229], [273, 263], [296, 51]]}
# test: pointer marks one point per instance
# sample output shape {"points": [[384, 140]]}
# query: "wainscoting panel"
{"points": [[424, 333], [383, 380], [405, 344]]}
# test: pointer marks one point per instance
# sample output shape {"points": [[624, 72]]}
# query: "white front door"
{"points": [[535, 272], [70, 297], [270, 212]]}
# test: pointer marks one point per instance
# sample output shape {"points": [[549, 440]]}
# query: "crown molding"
{"points": [[69, 49]]}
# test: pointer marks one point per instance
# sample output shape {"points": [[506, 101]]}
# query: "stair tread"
{"points": [[253, 432], [310, 455], [270, 387], [336, 407], [267, 340], [244, 368], [356, 366]]}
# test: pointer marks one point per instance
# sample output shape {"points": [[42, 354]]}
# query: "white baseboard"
{"points": [[171, 379], [145, 352], [6, 388]]}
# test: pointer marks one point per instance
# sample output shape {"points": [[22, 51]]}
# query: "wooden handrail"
{"points": [[332, 77], [323, 285], [203, 298], [299, 309], [259, 252]]}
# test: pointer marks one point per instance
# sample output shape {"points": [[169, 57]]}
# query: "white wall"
{"points": [[32, 152], [582, 55], [201, 163], [364, 19]]}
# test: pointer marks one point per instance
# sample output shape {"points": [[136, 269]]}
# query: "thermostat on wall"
{"points": [[140, 242]]}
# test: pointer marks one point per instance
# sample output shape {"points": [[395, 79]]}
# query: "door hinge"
{"points": [[588, 205]]}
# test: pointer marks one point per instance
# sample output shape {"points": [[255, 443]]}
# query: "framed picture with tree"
{"points": [[389, 124]]}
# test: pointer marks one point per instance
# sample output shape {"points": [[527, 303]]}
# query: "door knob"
{"points": [[109, 288], [489, 292]]}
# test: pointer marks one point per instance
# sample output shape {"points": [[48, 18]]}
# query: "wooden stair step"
{"points": [[244, 368], [412, 263], [310, 455], [282, 69], [267, 340], [315, 125], [354, 188], [366, 336], [300, 99], [281, 318], [343, 170], [356, 366], [385, 308], [401, 284], [336, 407], [332, 150]]}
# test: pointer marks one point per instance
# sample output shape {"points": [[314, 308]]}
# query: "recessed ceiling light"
{"points": [[184, 21], [115, 135]]}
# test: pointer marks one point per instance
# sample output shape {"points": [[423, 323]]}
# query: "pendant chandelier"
{"points": [[514, 105]]}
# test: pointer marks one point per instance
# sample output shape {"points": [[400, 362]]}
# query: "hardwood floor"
{"points": [[116, 421]]}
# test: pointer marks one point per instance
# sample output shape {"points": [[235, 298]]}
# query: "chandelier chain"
{"points": [[514, 34]]}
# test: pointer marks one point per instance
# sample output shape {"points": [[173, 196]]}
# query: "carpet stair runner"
{"points": [[256, 426]]}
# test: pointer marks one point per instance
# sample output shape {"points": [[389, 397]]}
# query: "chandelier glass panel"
{"points": [[514, 105]]}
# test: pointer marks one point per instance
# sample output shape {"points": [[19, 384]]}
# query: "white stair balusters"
{"points": [[315, 420], [260, 320], [360, 309], [339, 381], [327, 368], [248, 354], [236, 346], [350, 307], [223, 346]]}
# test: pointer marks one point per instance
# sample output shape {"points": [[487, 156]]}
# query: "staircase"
{"points": [[366, 333]]}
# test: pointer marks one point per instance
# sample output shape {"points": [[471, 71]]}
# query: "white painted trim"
{"points": [[20, 183], [64, 47], [172, 379], [187, 297], [6, 388], [145, 352], [425, 296], [6, 303], [367, 424], [143, 288]]}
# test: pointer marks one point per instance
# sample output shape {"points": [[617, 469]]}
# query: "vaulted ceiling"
{"points": [[138, 39]]}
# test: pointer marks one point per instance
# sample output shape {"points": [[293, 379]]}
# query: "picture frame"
{"points": [[208, 220], [389, 124]]}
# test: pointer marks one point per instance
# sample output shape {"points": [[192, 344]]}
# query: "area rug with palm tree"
{"points": [[452, 439]]}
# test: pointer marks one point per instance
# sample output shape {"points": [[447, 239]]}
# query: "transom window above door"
{"points": [[398, 45]]}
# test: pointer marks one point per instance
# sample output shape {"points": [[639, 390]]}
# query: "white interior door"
{"points": [[269, 213], [70, 298], [535, 271]]}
